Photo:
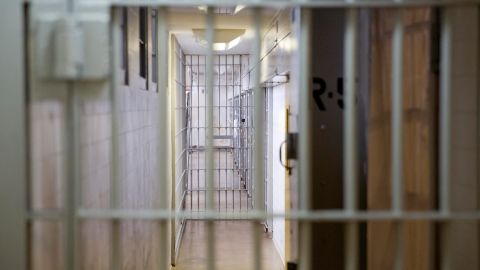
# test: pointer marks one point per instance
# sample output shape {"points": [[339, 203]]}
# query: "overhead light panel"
{"points": [[225, 39], [224, 10]]}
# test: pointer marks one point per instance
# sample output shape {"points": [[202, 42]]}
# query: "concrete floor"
{"points": [[234, 247]]}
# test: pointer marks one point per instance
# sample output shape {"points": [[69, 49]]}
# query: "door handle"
{"points": [[291, 144]]}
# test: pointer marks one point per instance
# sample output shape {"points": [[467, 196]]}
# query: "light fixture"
{"points": [[225, 39], [224, 10]]}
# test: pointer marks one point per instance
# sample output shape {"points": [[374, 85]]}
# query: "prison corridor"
{"points": [[240, 135]]}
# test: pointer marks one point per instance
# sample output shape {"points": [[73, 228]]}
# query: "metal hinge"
{"points": [[71, 47]]}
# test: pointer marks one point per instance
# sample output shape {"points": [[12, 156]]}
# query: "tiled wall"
{"points": [[138, 183]]}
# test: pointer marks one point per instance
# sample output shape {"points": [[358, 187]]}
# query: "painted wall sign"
{"points": [[320, 89]]}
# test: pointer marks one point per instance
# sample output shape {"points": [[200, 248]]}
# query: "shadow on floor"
{"points": [[234, 247]]}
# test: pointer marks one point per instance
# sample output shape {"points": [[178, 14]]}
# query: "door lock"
{"points": [[291, 151]]}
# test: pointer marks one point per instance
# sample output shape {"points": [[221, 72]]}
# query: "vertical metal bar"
{"points": [[233, 135], [397, 135], [14, 145], [258, 149], [350, 135], [240, 146], [219, 130], [445, 135], [445, 112], [163, 133], [72, 179], [172, 59], [190, 124], [115, 258], [226, 129], [210, 34], [397, 114], [198, 132], [304, 161]]}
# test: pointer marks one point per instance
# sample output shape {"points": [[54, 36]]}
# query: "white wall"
{"points": [[279, 104], [138, 179], [277, 48]]}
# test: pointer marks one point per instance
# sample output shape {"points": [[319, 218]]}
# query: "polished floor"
{"points": [[229, 183], [234, 247]]}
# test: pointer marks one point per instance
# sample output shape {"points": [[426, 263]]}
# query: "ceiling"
{"points": [[183, 20]]}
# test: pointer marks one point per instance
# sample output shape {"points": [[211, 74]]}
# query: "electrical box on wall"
{"points": [[72, 48]]}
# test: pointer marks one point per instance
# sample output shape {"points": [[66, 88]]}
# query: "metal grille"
{"points": [[232, 133], [221, 135]]}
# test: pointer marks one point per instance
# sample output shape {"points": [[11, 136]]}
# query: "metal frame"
{"points": [[232, 166], [13, 138], [350, 215], [287, 3]]}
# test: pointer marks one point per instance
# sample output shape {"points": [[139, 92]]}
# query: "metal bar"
{"points": [[240, 142], [226, 128], [350, 144], [312, 216], [397, 135], [258, 149], [233, 135], [349, 140], [445, 113], [115, 256], [294, 3], [397, 114], [206, 100], [190, 123], [210, 35], [222, 106], [304, 161], [205, 169], [14, 153], [181, 176], [219, 132], [185, 128], [233, 122], [72, 178], [163, 133], [221, 189], [445, 136], [181, 155], [198, 131]]}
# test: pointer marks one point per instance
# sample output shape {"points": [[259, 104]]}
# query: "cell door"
{"points": [[232, 136]]}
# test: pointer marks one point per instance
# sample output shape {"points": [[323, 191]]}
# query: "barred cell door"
{"points": [[232, 136]]}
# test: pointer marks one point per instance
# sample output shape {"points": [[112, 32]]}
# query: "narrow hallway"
{"points": [[234, 247]]}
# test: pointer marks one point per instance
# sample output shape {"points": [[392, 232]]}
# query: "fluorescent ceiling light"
{"points": [[224, 10], [225, 39], [238, 9]]}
